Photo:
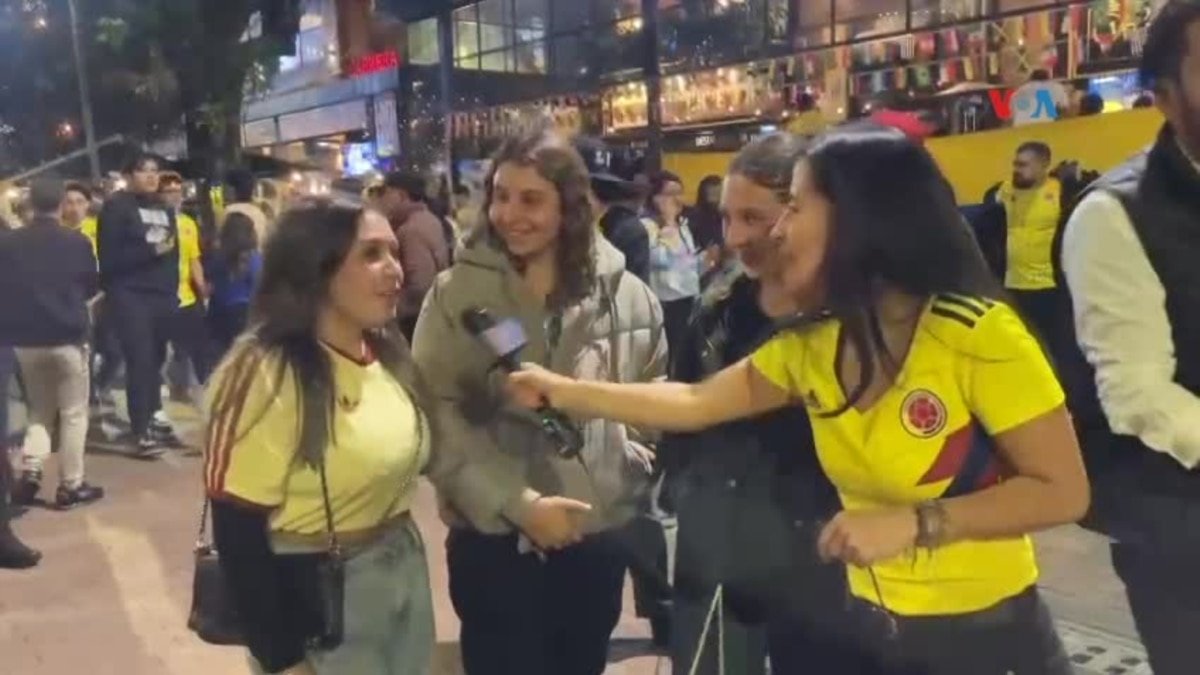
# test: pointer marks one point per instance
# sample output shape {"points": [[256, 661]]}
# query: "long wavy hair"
{"points": [[306, 249], [238, 242], [895, 223], [558, 163]]}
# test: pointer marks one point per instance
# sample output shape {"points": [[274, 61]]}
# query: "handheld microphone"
{"points": [[504, 340]]}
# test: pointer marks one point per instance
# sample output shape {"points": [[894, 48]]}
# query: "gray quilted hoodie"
{"points": [[501, 450]]}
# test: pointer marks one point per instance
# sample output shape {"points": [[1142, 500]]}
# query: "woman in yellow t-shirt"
{"points": [[934, 410], [319, 404]]}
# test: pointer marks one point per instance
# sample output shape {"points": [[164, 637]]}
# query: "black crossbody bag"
{"points": [[320, 581]]}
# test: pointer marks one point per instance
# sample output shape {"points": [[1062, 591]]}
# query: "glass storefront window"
{"points": [[423, 42], [493, 37], [498, 62], [530, 58], [570, 57], [927, 13], [495, 25], [570, 16], [534, 15], [618, 45], [611, 10], [468, 63], [814, 19], [865, 18], [466, 31], [777, 20]]}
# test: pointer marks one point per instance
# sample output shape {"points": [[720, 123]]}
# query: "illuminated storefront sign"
{"points": [[373, 63]]}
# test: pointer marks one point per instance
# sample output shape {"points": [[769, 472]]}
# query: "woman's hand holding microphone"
{"points": [[854, 537], [551, 522]]}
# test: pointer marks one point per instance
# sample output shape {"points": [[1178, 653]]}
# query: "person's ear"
{"points": [[1167, 99]]}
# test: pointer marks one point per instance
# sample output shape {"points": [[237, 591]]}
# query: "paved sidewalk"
{"points": [[112, 595]]}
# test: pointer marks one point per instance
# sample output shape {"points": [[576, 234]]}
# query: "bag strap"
{"points": [[716, 611], [335, 548]]}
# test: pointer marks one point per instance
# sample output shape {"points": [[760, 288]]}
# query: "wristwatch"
{"points": [[931, 524]]}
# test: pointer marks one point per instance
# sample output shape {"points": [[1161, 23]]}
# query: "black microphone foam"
{"points": [[477, 320], [504, 339]]}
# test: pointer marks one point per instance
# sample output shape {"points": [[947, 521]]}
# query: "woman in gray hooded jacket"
{"points": [[535, 556]]}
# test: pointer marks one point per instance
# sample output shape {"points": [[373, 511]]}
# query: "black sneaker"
{"points": [[14, 555], [164, 435], [26, 490], [68, 498], [147, 447]]}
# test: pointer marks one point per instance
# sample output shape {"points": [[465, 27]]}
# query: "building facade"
{"points": [[418, 82]]}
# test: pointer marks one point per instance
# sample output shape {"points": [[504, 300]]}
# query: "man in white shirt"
{"points": [[1131, 257], [1039, 100]]}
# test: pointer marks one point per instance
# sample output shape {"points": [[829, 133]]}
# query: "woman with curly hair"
{"points": [[536, 568]]}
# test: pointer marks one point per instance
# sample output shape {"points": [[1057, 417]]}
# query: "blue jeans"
{"points": [[388, 611]]}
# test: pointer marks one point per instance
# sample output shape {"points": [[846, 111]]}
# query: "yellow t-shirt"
{"points": [[88, 229], [380, 444], [973, 371], [189, 252], [1032, 217]]}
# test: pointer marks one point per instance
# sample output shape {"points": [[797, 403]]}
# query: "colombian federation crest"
{"points": [[923, 414]]}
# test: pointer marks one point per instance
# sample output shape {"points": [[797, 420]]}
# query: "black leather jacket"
{"points": [[739, 489]]}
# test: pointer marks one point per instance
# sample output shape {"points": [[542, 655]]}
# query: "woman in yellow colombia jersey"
{"points": [[935, 412], [323, 379]]}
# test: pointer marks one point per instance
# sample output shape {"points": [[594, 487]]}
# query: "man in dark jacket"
{"points": [[48, 275], [137, 242], [617, 200], [750, 495], [424, 249], [14, 554], [1130, 255]]}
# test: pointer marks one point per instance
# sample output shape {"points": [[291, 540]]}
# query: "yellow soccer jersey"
{"points": [[251, 449], [1032, 216], [88, 228], [973, 371], [189, 252]]}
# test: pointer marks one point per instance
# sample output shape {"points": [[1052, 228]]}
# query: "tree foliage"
{"points": [[190, 56], [155, 67]]}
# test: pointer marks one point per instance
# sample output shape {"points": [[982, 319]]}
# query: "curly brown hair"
{"points": [[557, 162]]}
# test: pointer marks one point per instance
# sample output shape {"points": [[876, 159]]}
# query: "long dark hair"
{"points": [[702, 201], [303, 253], [238, 240], [658, 180], [895, 224], [556, 162]]}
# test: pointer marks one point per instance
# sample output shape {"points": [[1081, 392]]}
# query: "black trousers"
{"points": [[800, 647], [1049, 311], [1017, 637], [8, 365], [106, 346], [524, 616], [188, 335], [675, 321], [805, 630], [143, 323], [225, 324], [1165, 601]]}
